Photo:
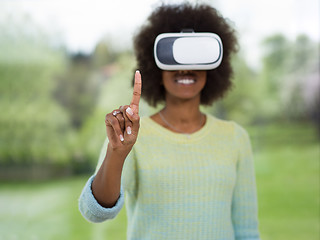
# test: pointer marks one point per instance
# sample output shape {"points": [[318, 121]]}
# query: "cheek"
{"points": [[203, 79], [203, 83]]}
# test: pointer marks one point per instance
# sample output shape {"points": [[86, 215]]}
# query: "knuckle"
{"points": [[120, 117], [113, 121], [127, 120], [136, 93], [123, 108], [136, 118], [108, 117]]}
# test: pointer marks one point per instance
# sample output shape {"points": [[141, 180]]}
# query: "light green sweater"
{"points": [[197, 186]]}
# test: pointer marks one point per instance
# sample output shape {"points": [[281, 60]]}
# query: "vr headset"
{"points": [[188, 51]]}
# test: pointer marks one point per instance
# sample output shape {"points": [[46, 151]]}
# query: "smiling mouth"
{"points": [[185, 78], [185, 81]]}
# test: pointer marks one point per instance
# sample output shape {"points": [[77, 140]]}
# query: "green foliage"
{"points": [[33, 128], [290, 76], [242, 103], [114, 92], [77, 90], [24, 42], [103, 55], [285, 89]]}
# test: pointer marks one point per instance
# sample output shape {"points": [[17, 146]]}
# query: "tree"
{"points": [[290, 69], [34, 129]]}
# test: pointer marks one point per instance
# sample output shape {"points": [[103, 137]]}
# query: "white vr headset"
{"points": [[188, 51]]}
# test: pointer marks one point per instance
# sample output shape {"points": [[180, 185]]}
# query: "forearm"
{"points": [[106, 185]]}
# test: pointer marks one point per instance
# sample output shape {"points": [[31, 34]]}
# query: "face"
{"points": [[184, 84]]}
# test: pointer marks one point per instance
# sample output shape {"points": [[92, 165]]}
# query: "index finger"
{"points": [[136, 92]]}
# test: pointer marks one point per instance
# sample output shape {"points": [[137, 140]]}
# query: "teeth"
{"points": [[185, 81]]}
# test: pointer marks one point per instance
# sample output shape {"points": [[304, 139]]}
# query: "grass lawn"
{"points": [[49, 210], [287, 169]]}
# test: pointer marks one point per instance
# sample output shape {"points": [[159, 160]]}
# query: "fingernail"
{"points": [[129, 111], [121, 138], [137, 71], [129, 130]]}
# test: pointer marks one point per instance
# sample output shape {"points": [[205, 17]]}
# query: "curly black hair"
{"points": [[175, 18]]}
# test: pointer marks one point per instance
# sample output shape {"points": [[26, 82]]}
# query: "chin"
{"points": [[184, 97]]}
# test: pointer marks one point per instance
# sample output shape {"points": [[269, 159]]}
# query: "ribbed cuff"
{"points": [[92, 210]]}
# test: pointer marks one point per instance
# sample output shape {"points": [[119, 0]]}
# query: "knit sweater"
{"points": [[177, 186]]}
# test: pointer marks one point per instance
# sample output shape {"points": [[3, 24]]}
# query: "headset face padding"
{"points": [[188, 51]]}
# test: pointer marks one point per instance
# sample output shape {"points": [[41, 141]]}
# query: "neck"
{"points": [[183, 116], [183, 113]]}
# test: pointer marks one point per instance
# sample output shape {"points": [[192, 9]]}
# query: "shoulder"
{"points": [[241, 135], [227, 127], [221, 124], [240, 132]]}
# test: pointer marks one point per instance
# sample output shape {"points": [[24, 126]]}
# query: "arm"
{"points": [[107, 182], [92, 210], [244, 202], [102, 192]]}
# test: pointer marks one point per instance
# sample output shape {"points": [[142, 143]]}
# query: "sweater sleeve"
{"points": [[88, 205], [244, 202], [92, 210]]}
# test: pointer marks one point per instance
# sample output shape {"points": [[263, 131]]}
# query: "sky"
{"points": [[82, 23]]}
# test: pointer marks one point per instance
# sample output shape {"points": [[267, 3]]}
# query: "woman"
{"points": [[188, 175]]}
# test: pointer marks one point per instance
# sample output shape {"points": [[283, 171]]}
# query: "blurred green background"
{"points": [[52, 108]]}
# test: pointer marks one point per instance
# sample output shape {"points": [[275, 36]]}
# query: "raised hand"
{"points": [[123, 124]]}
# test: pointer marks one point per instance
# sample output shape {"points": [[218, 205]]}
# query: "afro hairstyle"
{"points": [[175, 18]]}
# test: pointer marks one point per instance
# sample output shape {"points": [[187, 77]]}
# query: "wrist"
{"points": [[121, 152]]}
